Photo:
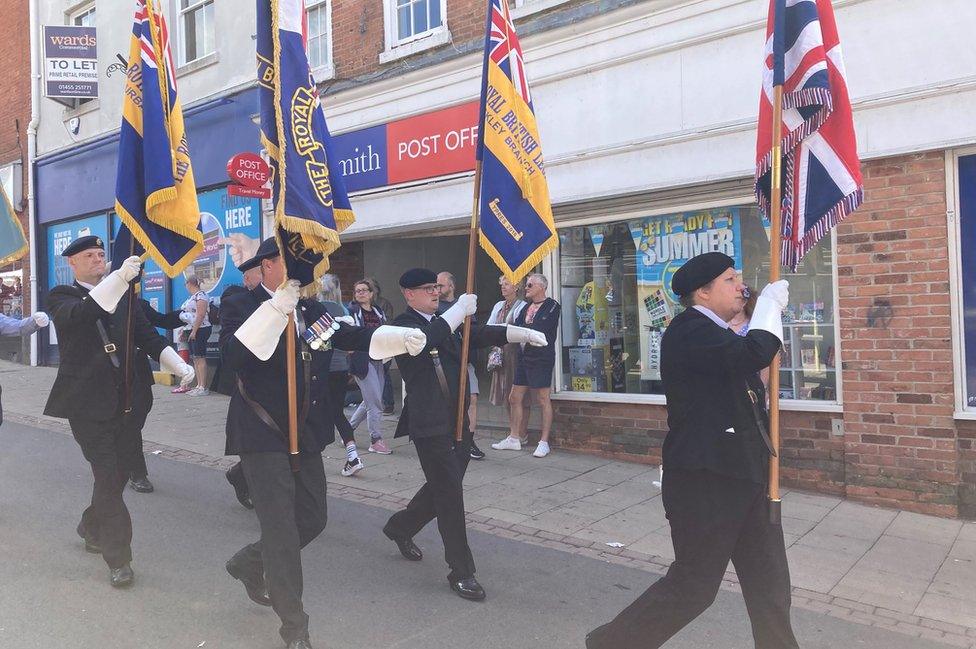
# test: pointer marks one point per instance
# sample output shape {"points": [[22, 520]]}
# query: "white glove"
{"points": [[285, 299], [113, 286], [261, 331], [346, 319], [130, 268], [186, 317], [466, 305], [769, 307], [171, 362], [41, 319], [778, 291], [387, 342], [525, 335]]}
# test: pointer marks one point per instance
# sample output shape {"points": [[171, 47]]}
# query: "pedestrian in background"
{"points": [[386, 307], [533, 366], [197, 332], [330, 296], [368, 372], [502, 360]]}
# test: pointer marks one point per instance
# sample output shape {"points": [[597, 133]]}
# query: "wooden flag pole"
{"points": [[292, 394], [469, 288], [775, 251]]}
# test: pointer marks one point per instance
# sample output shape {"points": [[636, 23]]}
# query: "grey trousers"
{"points": [[371, 409], [291, 509]]}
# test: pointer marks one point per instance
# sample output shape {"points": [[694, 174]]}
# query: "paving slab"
{"points": [[898, 592], [909, 525]]}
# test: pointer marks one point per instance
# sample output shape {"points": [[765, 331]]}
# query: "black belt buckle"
{"points": [[110, 348]]}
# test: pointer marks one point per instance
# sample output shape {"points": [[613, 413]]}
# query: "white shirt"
{"points": [[711, 316]]}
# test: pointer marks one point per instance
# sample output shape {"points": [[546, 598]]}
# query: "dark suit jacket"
{"points": [[169, 320], [87, 385], [705, 370], [266, 383], [547, 321], [426, 412]]}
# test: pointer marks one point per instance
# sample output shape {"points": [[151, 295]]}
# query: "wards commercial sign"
{"points": [[71, 62], [416, 148]]}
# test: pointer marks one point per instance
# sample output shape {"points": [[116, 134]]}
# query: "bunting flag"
{"points": [[155, 195], [310, 201], [821, 171], [516, 228], [13, 241]]}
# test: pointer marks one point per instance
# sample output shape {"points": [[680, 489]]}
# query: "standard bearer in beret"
{"points": [[715, 461], [429, 414], [91, 317]]}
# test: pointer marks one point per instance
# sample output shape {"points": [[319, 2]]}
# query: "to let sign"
{"points": [[250, 173], [71, 62]]}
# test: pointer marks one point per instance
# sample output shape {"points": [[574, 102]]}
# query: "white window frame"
{"points": [[81, 10], [327, 71], [551, 268], [522, 8], [961, 409], [181, 29], [398, 49]]}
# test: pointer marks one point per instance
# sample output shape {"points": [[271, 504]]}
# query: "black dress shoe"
{"points": [[476, 453], [299, 644], [121, 577], [257, 589], [408, 548], [142, 485], [240, 490], [468, 588]]}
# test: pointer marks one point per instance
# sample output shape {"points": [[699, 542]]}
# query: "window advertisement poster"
{"points": [[60, 237], [70, 62], [967, 248], [664, 243], [231, 235]]}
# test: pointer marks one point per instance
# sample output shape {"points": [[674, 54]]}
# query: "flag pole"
{"points": [[775, 253], [292, 394], [469, 288], [131, 293]]}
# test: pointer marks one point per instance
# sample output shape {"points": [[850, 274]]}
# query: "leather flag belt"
{"points": [[107, 344], [439, 371]]}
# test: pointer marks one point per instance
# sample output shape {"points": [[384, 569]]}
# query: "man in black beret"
{"points": [[429, 418], [715, 462], [290, 506], [91, 317]]}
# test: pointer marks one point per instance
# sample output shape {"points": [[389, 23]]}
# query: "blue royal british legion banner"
{"points": [[155, 195], [516, 226], [311, 205]]}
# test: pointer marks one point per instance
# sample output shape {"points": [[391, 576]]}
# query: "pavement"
{"points": [[572, 537]]}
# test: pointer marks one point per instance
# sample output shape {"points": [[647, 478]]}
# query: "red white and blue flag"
{"points": [[821, 171]]}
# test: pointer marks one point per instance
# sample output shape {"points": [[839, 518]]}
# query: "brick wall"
{"points": [[15, 107], [900, 436], [900, 446]]}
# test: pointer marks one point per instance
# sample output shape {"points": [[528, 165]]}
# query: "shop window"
{"points": [[319, 17], [966, 187], [196, 29], [615, 280]]}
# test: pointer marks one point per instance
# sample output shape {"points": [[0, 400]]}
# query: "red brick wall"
{"points": [[900, 436], [15, 107]]}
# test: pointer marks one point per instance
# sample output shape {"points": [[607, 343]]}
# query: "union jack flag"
{"points": [[821, 171], [505, 49]]}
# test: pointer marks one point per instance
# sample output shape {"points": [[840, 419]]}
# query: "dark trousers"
{"points": [[338, 382], [441, 497], [714, 519], [113, 448], [291, 510]]}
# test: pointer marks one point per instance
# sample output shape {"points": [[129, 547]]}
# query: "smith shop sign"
{"points": [[71, 62]]}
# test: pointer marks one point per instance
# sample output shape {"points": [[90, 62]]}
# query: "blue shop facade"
{"points": [[76, 197]]}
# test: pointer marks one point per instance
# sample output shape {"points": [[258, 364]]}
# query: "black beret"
{"points": [[267, 250], [83, 243], [417, 277], [699, 271]]}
